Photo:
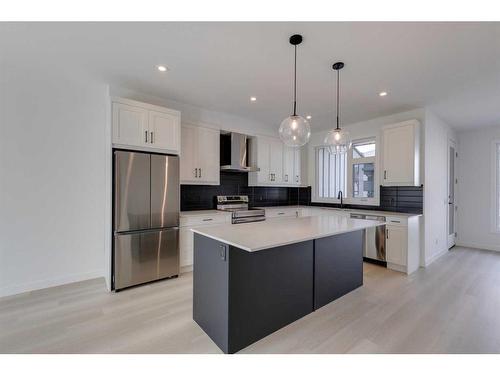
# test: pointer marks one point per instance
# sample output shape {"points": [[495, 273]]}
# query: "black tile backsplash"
{"points": [[202, 197], [406, 199]]}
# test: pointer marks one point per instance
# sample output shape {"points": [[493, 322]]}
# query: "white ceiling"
{"points": [[453, 68]]}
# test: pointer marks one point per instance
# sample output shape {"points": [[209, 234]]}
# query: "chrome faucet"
{"points": [[340, 196]]}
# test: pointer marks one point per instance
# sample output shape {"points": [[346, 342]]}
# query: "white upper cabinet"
{"points": [[143, 126], [200, 157], [291, 165], [297, 170], [276, 160], [288, 165], [130, 125], [401, 154], [278, 165], [164, 130]]}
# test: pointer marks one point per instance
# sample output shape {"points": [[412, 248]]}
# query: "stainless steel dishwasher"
{"points": [[374, 244]]}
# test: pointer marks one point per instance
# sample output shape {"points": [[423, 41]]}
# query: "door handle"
{"points": [[152, 137], [146, 136], [200, 172], [222, 252], [196, 173]]}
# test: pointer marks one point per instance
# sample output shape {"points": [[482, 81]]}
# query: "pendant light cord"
{"points": [[295, 84], [338, 85]]}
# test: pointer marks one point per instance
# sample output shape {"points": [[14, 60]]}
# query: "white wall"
{"points": [[52, 178], [474, 189], [436, 133]]}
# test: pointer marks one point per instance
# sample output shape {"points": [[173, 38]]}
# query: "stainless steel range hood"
{"points": [[234, 153]]}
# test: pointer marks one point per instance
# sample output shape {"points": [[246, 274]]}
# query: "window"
{"points": [[496, 185], [354, 173], [362, 168], [331, 173]]}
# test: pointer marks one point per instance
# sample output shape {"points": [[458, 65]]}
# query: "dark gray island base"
{"points": [[240, 296]]}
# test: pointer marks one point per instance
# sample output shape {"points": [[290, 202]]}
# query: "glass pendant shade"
{"points": [[295, 131], [338, 141]]}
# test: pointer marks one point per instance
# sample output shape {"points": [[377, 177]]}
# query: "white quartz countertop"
{"points": [[283, 231], [348, 210], [203, 212]]}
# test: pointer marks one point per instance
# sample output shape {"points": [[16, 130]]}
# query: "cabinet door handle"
{"points": [[152, 138], [385, 175], [281, 213], [210, 219], [270, 176], [296, 178], [146, 136], [196, 173], [200, 172], [387, 233], [222, 252], [286, 178]]}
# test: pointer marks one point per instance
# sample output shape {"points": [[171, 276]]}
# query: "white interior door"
{"points": [[452, 186]]}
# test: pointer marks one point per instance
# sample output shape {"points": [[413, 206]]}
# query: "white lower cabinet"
{"points": [[402, 244], [186, 236], [396, 244]]}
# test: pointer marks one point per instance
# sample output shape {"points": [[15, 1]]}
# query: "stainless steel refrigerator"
{"points": [[145, 218]]}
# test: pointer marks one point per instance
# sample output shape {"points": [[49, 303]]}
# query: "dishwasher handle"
{"points": [[357, 216]]}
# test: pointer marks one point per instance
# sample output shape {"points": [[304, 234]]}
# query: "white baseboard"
{"points": [[435, 257], [185, 269], [478, 246], [47, 283]]}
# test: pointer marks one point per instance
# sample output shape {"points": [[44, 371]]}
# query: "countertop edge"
{"points": [[308, 238]]}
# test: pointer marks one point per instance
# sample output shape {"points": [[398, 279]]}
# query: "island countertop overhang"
{"points": [[283, 231]]}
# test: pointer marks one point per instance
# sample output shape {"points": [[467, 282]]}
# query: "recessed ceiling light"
{"points": [[253, 99], [308, 117], [383, 93], [162, 68]]}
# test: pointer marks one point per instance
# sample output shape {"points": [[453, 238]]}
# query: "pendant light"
{"points": [[295, 130], [337, 139]]}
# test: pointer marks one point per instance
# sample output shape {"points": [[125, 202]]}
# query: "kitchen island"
{"points": [[253, 279]]}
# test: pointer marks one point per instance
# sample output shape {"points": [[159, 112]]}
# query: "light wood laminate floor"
{"points": [[453, 306]]}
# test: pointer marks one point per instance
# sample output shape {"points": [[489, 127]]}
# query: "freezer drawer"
{"points": [[146, 256]]}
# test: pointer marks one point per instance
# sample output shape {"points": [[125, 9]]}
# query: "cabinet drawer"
{"points": [[204, 220], [396, 220]]}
